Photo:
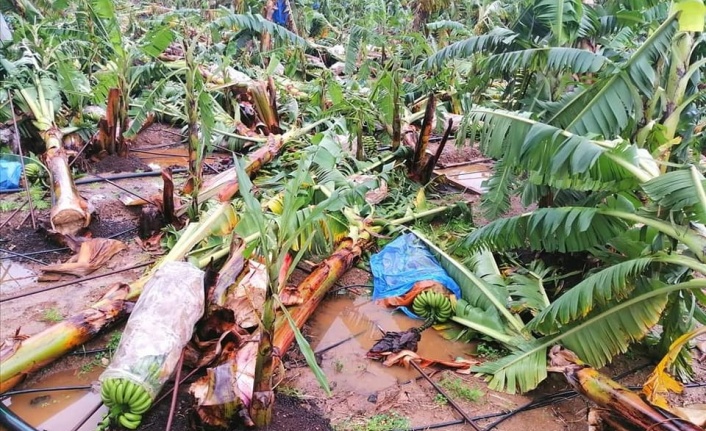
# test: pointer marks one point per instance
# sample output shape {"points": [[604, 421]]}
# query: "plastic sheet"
{"points": [[10, 173], [159, 327], [402, 263]]}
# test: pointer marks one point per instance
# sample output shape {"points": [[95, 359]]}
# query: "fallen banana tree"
{"points": [[229, 385], [225, 185], [624, 409], [23, 356]]}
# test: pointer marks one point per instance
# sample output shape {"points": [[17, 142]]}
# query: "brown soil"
{"points": [[289, 413], [116, 164]]}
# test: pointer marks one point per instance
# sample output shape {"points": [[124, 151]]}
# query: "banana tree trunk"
{"points": [[420, 159], [624, 408], [43, 348], [31, 354], [266, 38], [263, 396], [69, 214], [225, 185], [314, 288]]}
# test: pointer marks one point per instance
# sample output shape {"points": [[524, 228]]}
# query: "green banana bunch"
{"points": [[126, 400], [370, 144], [433, 306]]}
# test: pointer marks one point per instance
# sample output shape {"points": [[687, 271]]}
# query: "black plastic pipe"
{"points": [[12, 422]]}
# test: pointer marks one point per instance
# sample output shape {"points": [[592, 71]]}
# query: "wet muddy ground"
{"points": [[344, 327]]}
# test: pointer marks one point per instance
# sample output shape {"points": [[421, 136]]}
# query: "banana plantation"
{"points": [[352, 215]]}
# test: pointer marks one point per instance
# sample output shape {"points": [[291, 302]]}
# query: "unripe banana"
{"points": [[432, 305], [131, 425]]}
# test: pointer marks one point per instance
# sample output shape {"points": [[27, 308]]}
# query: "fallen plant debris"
{"points": [[624, 409], [331, 118], [93, 253]]}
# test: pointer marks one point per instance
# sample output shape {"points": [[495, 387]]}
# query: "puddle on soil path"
{"points": [[14, 276], [341, 317], [60, 410], [469, 176]]}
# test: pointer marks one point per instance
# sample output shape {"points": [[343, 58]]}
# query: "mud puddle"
{"points": [[14, 276], [70, 410], [361, 321]]}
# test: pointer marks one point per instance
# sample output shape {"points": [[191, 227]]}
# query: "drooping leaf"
{"points": [[258, 24], [595, 340], [499, 38], [554, 58], [562, 16], [616, 281], [471, 285], [608, 105], [551, 229], [157, 40], [675, 191], [520, 371]]}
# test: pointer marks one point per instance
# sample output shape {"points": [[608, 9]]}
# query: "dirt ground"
{"points": [[361, 389]]}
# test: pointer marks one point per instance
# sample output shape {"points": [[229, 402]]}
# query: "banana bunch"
{"points": [[126, 400], [433, 306], [276, 204], [34, 172], [370, 144]]}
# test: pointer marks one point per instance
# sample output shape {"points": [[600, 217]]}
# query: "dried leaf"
{"points": [[695, 413], [246, 298], [93, 254], [460, 365], [10, 345], [660, 383]]}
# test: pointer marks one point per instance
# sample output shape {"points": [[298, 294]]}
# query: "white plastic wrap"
{"points": [[159, 327]]}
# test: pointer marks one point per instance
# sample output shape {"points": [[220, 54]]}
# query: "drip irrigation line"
{"points": [[115, 177], [175, 393], [440, 390], [14, 213], [13, 422], [338, 343], [112, 183], [559, 396], [21, 255], [69, 283], [36, 390], [56, 250], [88, 352]]}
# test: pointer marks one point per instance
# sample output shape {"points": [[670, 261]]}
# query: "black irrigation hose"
{"points": [[36, 390], [53, 250], [11, 421], [72, 282], [112, 177], [542, 402], [88, 352]]}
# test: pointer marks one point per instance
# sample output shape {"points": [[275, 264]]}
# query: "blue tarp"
{"points": [[10, 173], [402, 263], [281, 14]]}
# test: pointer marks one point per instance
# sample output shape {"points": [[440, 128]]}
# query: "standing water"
{"points": [[342, 317], [60, 410]]}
